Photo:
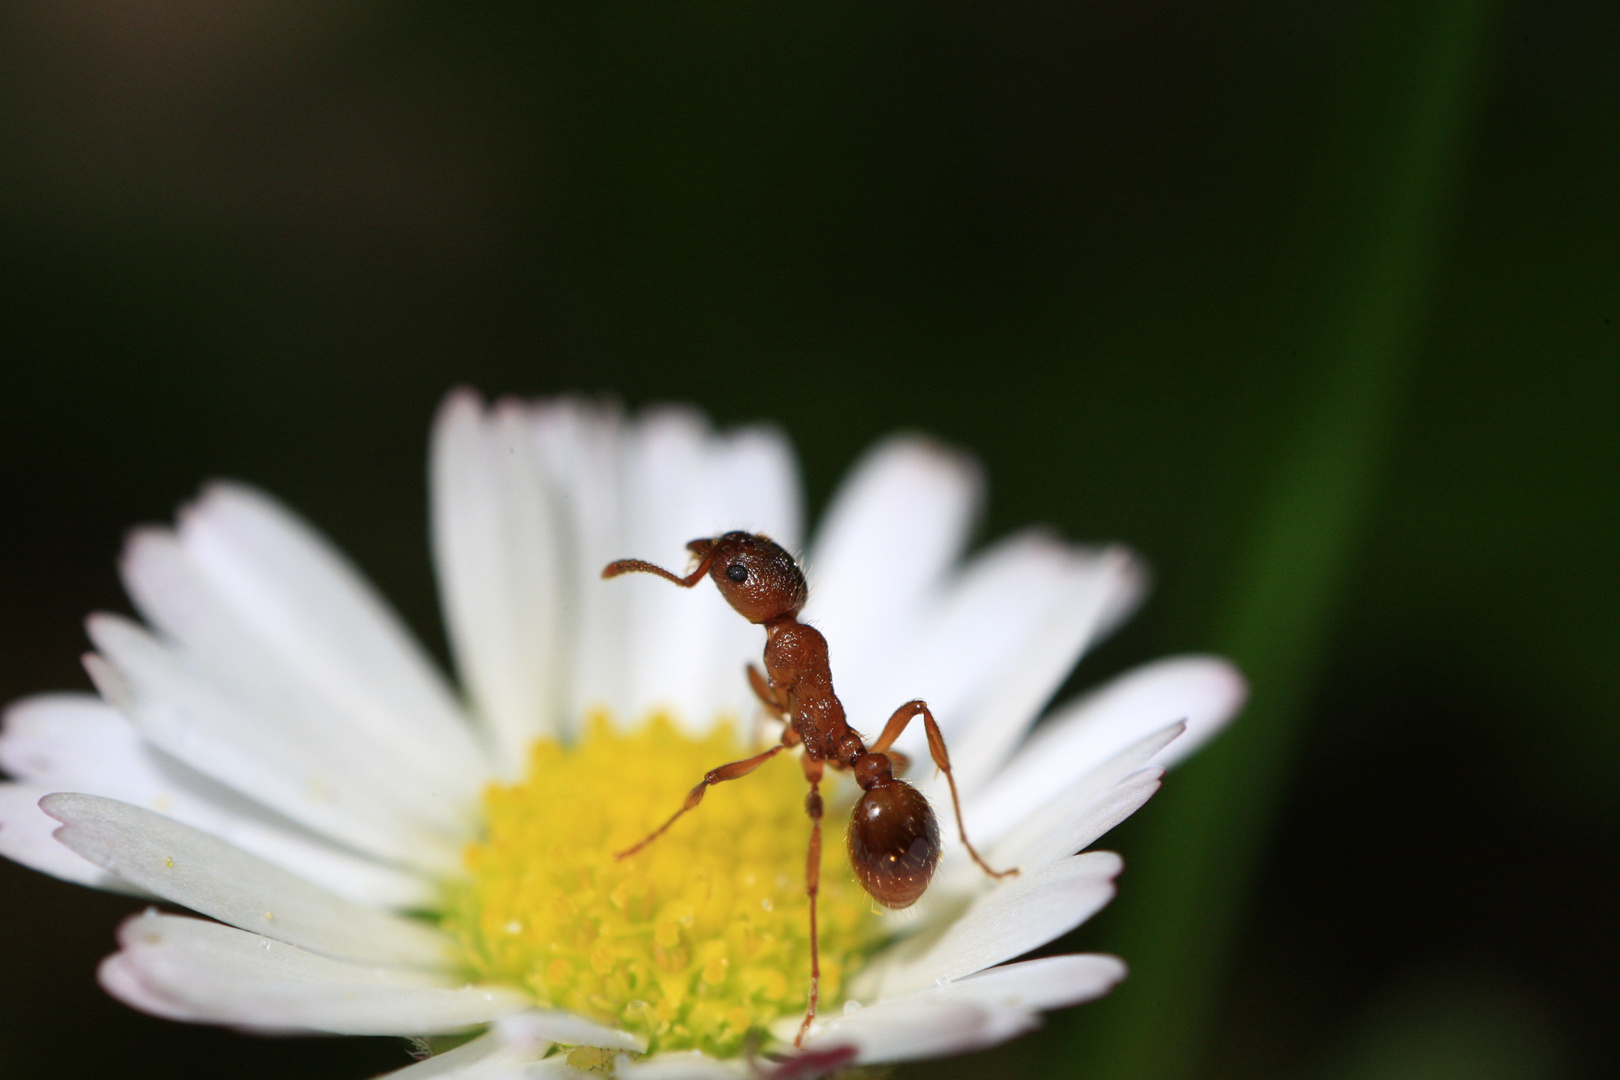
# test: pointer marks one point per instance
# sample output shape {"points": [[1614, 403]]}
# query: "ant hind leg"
{"points": [[936, 749], [774, 702], [769, 696]]}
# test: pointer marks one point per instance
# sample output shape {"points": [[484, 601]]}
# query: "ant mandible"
{"points": [[893, 836]]}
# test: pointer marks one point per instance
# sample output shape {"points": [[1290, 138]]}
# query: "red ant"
{"points": [[893, 836]]}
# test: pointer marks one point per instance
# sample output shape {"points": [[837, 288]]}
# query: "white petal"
{"points": [[984, 726], [495, 545], [188, 867], [232, 642], [489, 1058], [895, 527], [254, 587], [1202, 692], [538, 1026], [669, 631], [974, 628], [1220, 692], [919, 1027], [230, 976], [642, 490], [76, 742], [118, 977], [682, 1065], [1071, 823], [686, 650], [1081, 811], [277, 761], [755, 483], [480, 1057], [976, 1011], [580, 447], [1100, 583], [27, 837], [1051, 982], [999, 821], [65, 737], [552, 1068], [1019, 915]]}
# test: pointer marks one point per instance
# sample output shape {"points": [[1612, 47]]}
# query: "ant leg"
{"points": [[812, 887], [936, 748], [768, 695], [733, 771], [898, 762]]}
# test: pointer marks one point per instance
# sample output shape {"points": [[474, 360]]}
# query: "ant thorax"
{"points": [[796, 661]]}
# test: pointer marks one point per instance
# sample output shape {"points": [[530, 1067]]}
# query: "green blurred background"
{"points": [[1314, 306]]}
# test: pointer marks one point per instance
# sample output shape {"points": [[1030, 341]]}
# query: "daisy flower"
{"points": [[370, 849]]}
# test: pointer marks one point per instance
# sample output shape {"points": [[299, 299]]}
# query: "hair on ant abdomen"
{"points": [[893, 837]]}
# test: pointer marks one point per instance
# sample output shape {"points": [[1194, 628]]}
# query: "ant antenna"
{"points": [[631, 566]]}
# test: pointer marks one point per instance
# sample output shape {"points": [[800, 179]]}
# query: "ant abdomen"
{"points": [[893, 843]]}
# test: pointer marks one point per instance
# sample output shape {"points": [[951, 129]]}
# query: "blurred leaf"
{"points": [[1381, 202], [1462, 1024]]}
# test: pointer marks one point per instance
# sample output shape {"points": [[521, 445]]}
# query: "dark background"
{"points": [[1140, 257]]}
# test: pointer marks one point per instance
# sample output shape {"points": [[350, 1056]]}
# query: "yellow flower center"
{"points": [[692, 942]]}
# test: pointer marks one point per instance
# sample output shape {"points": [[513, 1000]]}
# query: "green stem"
{"points": [[1385, 190]]}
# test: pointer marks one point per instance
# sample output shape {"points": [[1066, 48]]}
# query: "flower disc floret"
{"points": [[693, 941]]}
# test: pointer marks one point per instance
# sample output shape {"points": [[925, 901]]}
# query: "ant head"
{"points": [[755, 574]]}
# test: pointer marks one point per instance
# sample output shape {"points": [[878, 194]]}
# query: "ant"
{"points": [[893, 836]]}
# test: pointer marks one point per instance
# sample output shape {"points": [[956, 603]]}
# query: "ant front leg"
{"points": [[812, 888], [735, 770], [772, 698], [936, 748], [776, 703]]}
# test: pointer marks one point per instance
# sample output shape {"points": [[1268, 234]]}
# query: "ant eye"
{"points": [[737, 572]]}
